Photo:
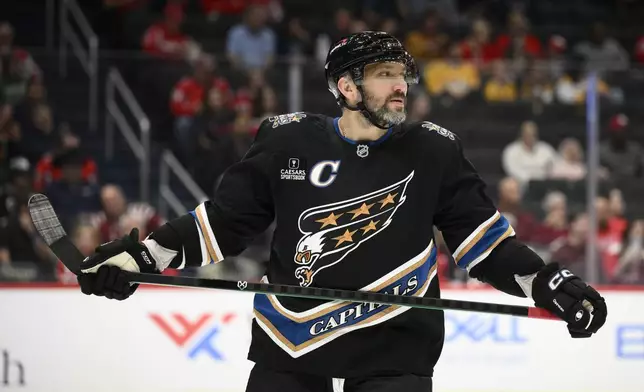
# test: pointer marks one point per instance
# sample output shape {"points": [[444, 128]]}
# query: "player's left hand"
{"points": [[567, 296]]}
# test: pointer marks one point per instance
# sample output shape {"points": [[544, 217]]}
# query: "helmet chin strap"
{"points": [[360, 107]]}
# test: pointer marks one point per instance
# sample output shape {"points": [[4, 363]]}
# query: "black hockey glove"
{"points": [[103, 272], [567, 296]]}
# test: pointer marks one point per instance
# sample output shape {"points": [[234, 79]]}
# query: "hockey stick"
{"points": [[50, 229]]}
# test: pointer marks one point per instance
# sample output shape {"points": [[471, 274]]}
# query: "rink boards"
{"points": [[56, 339]]}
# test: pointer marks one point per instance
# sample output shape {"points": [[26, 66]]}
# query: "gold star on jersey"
{"points": [[330, 232]]}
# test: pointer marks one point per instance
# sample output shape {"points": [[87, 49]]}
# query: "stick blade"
{"points": [[52, 232], [45, 220]]}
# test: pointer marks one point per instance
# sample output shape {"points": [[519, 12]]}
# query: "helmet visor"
{"points": [[409, 72]]}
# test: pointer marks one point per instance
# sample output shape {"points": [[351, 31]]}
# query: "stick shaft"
{"points": [[343, 295]]}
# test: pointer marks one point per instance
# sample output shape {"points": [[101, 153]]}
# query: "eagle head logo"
{"points": [[330, 232]]}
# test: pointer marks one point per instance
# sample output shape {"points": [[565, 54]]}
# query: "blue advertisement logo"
{"points": [[630, 342], [480, 328]]}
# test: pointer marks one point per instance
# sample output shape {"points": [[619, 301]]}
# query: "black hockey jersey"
{"points": [[356, 216]]}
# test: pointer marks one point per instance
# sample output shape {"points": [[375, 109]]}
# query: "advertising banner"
{"points": [[56, 339]]}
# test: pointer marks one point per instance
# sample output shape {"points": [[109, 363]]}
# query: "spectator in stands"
{"points": [[528, 158], [555, 223], [429, 42], [36, 95], [518, 44], [374, 11], [602, 53], [22, 247], [166, 40], [188, 98], [47, 171], [214, 9], [244, 128], [259, 93], [610, 234], [269, 105], [420, 107], [119, 216], [478, 46], [638, 52], [213, 152], [571, 88], [537, 87], [622, 157], [630, 269], [18, 188], [570, 251], [39, 134], [447, 10], [297, 38], [569, 162], [501, 86], [616, 203], [341, 27], [10, 138], [556, 53], [17, 67], [510, 204], [451, 77], [71, 195], [252, 44]]}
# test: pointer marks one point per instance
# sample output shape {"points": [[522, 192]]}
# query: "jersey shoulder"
{"points": [[433, 134], [291, 126], [293, 122]]}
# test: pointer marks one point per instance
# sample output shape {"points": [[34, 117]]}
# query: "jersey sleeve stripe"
{"points": [[206, 234], [508, 233], [203, 246], [473, 238], [483, 244]]}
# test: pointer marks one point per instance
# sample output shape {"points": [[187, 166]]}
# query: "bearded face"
{"points": [[388, 110], [385, 92]]}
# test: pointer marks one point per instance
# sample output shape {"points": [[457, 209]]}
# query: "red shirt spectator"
{"points": [[518, 41], [119, 216], [478, 46], [229, 7], [136, 212], [639, 50], [46, 172], [19, 60], [165, 39], [486, 53], [528, 43], [188, 95], [609, 243]]}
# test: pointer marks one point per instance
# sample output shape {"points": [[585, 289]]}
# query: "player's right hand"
{"points": [[103, 273]]}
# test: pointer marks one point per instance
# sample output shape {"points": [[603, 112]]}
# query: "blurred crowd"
{"points": [[39, 152], [222, 83]]}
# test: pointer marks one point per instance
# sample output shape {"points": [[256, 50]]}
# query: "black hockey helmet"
{"points": [[351, 54]]}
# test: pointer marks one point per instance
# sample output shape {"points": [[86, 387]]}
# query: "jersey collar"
{"points": [[376, 142]]}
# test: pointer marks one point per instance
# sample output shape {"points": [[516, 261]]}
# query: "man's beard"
{"points": [[383, 115]]}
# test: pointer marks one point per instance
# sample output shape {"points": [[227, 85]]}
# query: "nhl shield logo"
{"points": [[332, 231], [362, 150]]}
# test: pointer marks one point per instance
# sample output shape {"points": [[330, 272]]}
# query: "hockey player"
{"points": [[355, 199]]}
